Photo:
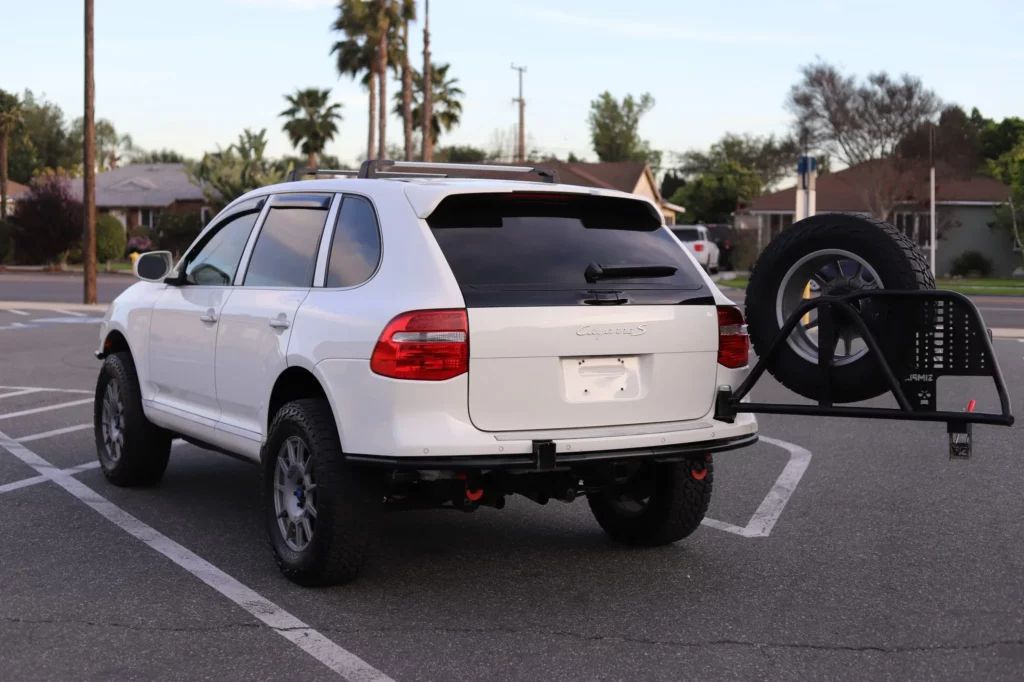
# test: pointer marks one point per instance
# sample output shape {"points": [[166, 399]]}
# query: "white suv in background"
{"points": [[416, 342], [697, 240]]}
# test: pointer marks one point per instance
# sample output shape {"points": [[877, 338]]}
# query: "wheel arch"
{"points": [[295, 383]]}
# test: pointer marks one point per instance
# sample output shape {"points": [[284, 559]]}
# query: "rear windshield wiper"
{"points": [[596, 271]]}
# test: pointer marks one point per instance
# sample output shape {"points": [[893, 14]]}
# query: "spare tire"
{"points": [[828, 254]]}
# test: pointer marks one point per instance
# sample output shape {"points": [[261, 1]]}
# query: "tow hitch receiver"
{"points": [[915, 337]]}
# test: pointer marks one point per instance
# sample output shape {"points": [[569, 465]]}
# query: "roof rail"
{"points": [[299, 173], [386, 168]]}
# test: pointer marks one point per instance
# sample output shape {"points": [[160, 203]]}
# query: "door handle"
{"points": [[210, 317], [279, 323]]}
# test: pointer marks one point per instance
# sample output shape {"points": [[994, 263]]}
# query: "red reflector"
{"points": [[426, 345], [698, 247], [733, 342]]}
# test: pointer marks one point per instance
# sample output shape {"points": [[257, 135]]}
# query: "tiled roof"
{"points": [[844, 191]]}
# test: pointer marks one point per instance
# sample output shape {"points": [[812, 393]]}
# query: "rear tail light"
{"points": [[733, 342], [698, 247], [426, 345]]}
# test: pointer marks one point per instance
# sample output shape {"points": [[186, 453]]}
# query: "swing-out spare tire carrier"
{"points": [[845, 280]]}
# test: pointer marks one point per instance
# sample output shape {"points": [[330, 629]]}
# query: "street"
{"points": [[833, 549]]}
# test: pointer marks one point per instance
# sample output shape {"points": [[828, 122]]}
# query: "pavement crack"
{"points": [[137, 627], [758, 645]]}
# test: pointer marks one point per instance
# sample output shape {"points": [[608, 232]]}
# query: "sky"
{"points": [[189, 75]]}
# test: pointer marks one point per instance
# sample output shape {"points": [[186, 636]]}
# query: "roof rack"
{"points": [[386, 168], [299, 173]]}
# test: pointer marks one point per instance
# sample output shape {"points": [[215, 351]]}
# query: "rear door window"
{"points": [[526, 248], [286, 248], [355, 247]]}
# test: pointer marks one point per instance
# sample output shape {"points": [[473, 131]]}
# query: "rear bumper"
{"points": [[546, 458]]}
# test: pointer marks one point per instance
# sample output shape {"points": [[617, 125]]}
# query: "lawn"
{"points": [[974, 287]]}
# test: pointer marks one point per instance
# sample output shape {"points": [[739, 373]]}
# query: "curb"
{"points": [[1007, 333], [48, 305]]}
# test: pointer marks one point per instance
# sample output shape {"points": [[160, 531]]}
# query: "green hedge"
{"points": [[110, 238]]}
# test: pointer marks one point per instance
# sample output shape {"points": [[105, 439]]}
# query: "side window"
{"points": [[355, 248], [216, 261], [285, 252]]}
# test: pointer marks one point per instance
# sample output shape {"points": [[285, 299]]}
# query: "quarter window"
{"points": [[285, 252], [216, 261], [355, 248]]}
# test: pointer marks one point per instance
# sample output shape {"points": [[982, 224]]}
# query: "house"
{"points": [[635, 177], [136, 194], [965, 213], [15, 190]]}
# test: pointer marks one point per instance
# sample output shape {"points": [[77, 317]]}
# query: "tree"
{"points": [[614, 128], [47, 221], [10, 120], [228, 173], [863, 123], [712, 195], [312, 122], [175, 231], [461, 154], [157, 156], [43, 141], [357, 54], [954, 141], [407, 15], [446, 102], [771, 158], [427, 110]]}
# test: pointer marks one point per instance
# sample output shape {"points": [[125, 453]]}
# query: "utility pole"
{"points": [[89, 163], [931, 221], [428, 89], [521, 144]]}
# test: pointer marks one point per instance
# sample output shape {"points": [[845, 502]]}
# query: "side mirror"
{"points": [[153, 266]]}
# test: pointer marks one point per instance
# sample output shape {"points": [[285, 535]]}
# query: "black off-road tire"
{"points": [[677, 504], [348, 500], [896, 259], [145, 447]]}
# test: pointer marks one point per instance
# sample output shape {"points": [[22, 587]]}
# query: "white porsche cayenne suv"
{"points": [[416, 342]]}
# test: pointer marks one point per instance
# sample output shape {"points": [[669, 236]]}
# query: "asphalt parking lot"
{"points": [[834, 549]]}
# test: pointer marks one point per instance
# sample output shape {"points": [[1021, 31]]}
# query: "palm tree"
{"points": [[10, 120], [357, 54], [312, 122], [407, 13], [447, 107]]}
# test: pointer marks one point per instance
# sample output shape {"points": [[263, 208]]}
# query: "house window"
{"points": [[915, 226], [777, 222], [148, 217], [204, 215]]}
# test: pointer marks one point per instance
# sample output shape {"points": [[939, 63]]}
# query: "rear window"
{"points": [[688, 234], [524, 248]]}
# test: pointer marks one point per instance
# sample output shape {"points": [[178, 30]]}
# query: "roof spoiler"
{"points": [[387, 168]]}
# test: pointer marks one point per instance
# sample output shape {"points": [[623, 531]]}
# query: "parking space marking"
{"points": [[45, 408], [24, 391], [72, 313], [54, 432], [341, 661], [49, 390], [35, 480], [770, 509], [17, 312]]}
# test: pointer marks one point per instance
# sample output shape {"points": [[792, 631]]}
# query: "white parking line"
{"points": [[49, 390], [54, 432], [34, 480], [770, 509], [45, 408], [72, 313], [17, 312], [341, 661], [24, 391]]}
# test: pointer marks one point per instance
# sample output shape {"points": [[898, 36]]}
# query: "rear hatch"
{"points": [[583, 311]]}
